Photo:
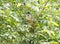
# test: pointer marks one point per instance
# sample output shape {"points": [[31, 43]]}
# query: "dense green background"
{"points": [[14, 28]]}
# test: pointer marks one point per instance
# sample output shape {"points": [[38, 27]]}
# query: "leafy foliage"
{"points": [[17, 26]]}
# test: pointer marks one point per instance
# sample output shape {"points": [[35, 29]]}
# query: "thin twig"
{"points": [[44, 7]]}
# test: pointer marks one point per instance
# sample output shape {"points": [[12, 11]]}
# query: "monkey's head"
{"points": [[29, 17]]}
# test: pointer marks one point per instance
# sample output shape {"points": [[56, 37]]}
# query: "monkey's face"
{"points": [[29, 18]]}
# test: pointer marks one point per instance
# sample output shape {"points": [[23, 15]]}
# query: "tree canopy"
{"points": [[29, 21]]}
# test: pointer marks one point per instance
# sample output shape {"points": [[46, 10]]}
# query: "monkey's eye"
{"points": [[28, 14]]}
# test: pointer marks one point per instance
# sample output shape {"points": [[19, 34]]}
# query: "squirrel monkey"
{"points": [[30, 21], [29, 17]]}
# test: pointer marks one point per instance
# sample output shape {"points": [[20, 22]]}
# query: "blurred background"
{"points": [[29, 21]]}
